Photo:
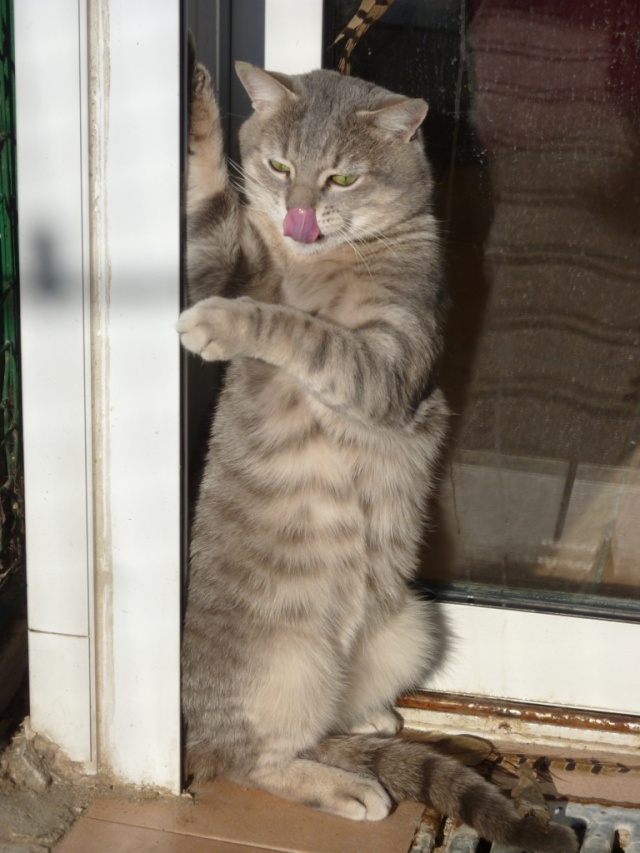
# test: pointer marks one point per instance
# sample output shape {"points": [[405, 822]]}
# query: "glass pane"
{"points": [[534, 135]]}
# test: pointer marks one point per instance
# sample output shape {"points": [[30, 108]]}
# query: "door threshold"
{"points": [[577, 755]]}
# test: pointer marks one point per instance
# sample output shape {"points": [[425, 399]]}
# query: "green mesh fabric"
{"points": [[11, 480]]}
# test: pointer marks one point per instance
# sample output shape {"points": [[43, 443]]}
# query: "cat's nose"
{"points": [[301, 224]]}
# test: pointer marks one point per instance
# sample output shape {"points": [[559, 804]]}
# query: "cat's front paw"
{"points": [[203, 110], [215, 328], [363, 799]]}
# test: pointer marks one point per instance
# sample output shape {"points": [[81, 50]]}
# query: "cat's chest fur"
{"points": [[328, 289], [365, 468]]}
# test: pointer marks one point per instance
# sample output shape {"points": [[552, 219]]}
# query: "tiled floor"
{"points": [[226, 818]]}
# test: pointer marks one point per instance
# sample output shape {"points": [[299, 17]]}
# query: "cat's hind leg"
{"points": [[387, 661], [291, 707]]}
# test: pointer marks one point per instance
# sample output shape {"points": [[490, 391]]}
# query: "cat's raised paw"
{"points": [[214, 328], [203, 110]]}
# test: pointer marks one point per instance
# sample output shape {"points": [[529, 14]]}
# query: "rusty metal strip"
{"points": [[429, 830], [472, 706]]}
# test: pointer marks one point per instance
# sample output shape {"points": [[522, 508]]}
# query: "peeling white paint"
{"points": [[518, 735]]}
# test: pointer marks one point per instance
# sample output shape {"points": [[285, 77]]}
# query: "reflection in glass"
{"points": [[534, 133]]}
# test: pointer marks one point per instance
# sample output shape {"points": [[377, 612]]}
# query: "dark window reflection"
{"points": [[534, 133]]}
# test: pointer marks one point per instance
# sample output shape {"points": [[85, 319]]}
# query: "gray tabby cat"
{"points": [[301, 628]]}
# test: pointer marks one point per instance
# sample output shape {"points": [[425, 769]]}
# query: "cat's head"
{"points": [[331, 159]]}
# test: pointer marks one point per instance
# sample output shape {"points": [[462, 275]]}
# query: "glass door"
{"points": [[534, 138]]}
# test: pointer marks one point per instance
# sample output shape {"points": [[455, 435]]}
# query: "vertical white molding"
{"points": [[52, 174], [293, 35], [545, 658], [98, 115], [135, 208]]}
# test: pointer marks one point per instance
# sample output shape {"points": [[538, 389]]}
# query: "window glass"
{"points": [[534, 135]]}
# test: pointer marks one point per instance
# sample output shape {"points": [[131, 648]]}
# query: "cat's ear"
{"points": [[402, 118], [267, 89]]}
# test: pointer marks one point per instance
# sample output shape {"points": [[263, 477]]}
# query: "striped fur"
{"points": [[300, 623]]}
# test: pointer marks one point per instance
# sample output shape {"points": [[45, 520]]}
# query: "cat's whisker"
{"points": [[260, 199], [247, 175], [345, 235], [378, 235]]}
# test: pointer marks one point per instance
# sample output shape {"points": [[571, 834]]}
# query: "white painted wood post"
{"points": [[293, 35], [52, 148], [98, 95], [135, 229]]}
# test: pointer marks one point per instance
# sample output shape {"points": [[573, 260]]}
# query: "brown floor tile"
{"points": [[232, 813], [608, 785], [97, 836]]}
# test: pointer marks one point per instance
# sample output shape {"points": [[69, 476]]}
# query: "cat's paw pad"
{"points": [[386, 722]]}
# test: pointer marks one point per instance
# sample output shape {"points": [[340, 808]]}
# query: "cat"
{"points": [[320, 283]]}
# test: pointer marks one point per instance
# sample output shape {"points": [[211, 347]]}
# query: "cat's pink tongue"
{"points": [[301, 224]]}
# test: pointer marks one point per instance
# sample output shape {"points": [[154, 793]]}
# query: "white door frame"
{"points": [[98, 85], [98, 122]]}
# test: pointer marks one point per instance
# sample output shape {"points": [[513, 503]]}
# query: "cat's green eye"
{"points": [[279, 167], [343, 180]]}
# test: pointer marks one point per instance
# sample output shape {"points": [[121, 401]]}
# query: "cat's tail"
{"points": [[413, 770]]}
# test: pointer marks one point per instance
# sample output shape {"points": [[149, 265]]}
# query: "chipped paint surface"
{"points": [[518, 735], [598, 761], [427, 834], [512, 712]]}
